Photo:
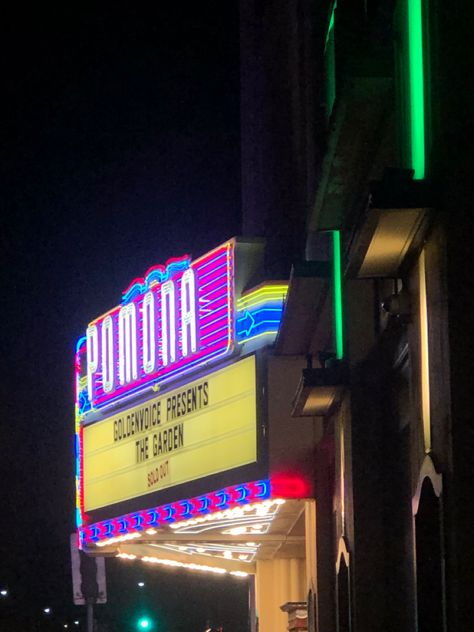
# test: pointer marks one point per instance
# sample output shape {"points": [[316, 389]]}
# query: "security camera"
{"points": [[398, 305]]}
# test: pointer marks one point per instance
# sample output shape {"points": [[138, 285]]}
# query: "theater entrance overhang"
{"points": [[230, 540]]}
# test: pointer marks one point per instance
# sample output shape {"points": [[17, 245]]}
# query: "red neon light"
{"points": [[290, 486]]}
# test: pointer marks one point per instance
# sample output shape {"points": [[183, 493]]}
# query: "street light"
{"points": [[144, 623], [141, 584], [47, 610], [4, 592]]}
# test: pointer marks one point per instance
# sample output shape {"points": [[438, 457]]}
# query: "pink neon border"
{"points": [[219, 345]]}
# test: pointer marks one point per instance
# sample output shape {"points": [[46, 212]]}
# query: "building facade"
{"points": [[355, 153]]}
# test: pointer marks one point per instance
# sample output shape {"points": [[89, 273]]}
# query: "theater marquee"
{"points": [[205, 427], [164, 407]]}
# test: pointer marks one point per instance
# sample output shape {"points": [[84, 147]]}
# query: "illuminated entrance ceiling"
{"points": [[222, 541], [225, 543]]}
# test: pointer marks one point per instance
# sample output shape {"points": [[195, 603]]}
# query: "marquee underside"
{"points": [[229, 541]]}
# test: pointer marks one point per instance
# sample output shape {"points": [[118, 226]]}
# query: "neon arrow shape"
{"points": [[249, 323]]}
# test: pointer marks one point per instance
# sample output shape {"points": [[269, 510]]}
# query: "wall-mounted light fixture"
{"points": [[393, 228], [386, 238], [398, 305], [320, 390]]}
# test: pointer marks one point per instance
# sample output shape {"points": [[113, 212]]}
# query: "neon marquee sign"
{"points": [[190, 514], [173, 320]]}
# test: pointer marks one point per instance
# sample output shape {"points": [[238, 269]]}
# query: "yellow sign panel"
{"points": [[204, 427]]}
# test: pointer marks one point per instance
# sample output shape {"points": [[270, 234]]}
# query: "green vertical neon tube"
{"points": [[337, 293], [417, 97], [330, 65]]}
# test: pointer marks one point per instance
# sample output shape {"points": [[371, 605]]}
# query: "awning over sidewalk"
{"points": [[227, 541]]}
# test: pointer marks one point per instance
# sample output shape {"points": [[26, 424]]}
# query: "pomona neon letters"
{"points": [[167, 328]]}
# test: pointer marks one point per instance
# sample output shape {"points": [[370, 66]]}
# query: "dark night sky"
{"points": [[120, 148]]}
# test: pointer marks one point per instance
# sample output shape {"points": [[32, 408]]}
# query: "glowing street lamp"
{"points": [[144, 623]]}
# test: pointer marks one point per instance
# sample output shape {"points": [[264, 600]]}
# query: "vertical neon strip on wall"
{"points": [[330, 64], [337, 292], [424, 355], [342, 466], [78, 438], [417, 97]]}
